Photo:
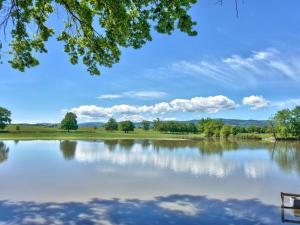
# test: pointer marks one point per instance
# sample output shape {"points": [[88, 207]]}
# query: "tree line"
{"points": [[285, 124]]}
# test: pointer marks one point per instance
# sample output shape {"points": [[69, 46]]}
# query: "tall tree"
{"points": [[226, 131], [283, 122], [111, 125], [126, 126], [145, 125], [69, 122], [295, 122], [210, 127], [4, 117], [94, 31]]}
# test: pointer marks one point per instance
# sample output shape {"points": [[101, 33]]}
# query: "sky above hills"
{"points": [[244, 68]]}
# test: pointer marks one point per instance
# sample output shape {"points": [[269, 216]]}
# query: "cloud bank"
{"points": [[211, 104]]}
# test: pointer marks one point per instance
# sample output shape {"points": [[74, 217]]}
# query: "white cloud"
{"points": [[211, 104], [256, 102], [146, 94], [135, 94], [257, 66], [109, 96]]}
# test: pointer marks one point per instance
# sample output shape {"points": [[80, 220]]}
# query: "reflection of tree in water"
{"points": [[213, 147], [3, 152], [287, 156], [173, 144], [111, 144], [205, 147], [126, 144], [68, 149], [145, 143]]}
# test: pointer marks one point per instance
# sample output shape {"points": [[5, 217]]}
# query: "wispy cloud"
{"points": [[134, 94], [256, 102], [257, 66], [211, 104], [109, 96], [290, 103]]}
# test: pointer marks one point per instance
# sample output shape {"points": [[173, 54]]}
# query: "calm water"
{"points": [[146, 182]]}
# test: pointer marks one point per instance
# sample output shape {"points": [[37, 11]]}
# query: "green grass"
{"points": [[30, 132]]}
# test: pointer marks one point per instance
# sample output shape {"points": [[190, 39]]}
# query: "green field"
{"points": [[29, 132]]}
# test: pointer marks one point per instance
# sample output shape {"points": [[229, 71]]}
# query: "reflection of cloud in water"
{"points": [[184, 160], [255, 169], [184, 207]]}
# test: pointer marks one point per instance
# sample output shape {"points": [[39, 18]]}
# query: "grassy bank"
{"points": [[29, 132]]}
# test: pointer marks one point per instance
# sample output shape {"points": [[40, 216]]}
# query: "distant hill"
{"points": [[245, 123], [91, 124], [233, 122]]}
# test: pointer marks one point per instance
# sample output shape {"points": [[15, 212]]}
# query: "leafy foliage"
{"points": [[4, 117], [145, 125], [226, 131], [94, 31], [69, 122], [287, 122], [126, 126], [283, 122], [111, 125], [210, 127], [175, 127], [295, 122]]}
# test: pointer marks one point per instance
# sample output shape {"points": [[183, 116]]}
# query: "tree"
{"points": [[295, 121], [226, 131], [192, 128], [111, 125], [4, 117], [145, 125], [210, 127], [157, 124], [126, 126], [283, 122], [69, 122], [94, 31], [235, 130]]}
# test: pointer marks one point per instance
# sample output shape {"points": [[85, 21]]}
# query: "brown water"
{"points": [[146, 182]]}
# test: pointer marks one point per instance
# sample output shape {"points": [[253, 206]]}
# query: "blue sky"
{"points": [[244, 68]]}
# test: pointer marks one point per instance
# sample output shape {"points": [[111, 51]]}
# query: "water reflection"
{"points": [[3, 152], [287, 156], [146, 182], [68, 149], [194, 157], [163, 210], [128, 152]]}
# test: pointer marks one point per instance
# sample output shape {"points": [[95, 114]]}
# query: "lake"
{"points": [[137, 182]]}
